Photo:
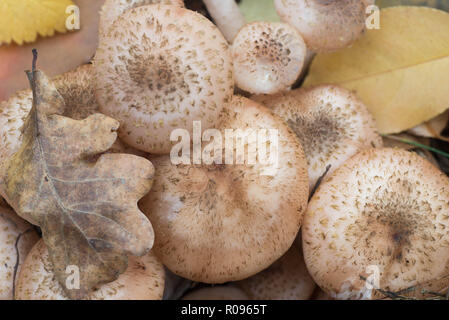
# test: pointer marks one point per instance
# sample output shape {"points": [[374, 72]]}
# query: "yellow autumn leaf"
{"points": [[22, 20], [401, 71]]}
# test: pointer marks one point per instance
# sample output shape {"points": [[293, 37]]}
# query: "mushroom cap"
{"points": [[11, 227], [160, 68], [326, 25], [222, 222], [143, 280], [217, 293], [112, 9], [386, 210], [331, 123], [268, 57], [286, 279]]}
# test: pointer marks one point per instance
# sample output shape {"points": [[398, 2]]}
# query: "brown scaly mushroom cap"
{"points": [[286, 279], [112, 9], [331, 123], [160, 68], [143, 280], [218, 223], [76, 87], [385, 209], [11, 227], [268, 57], [227, 292], [326, 25]]}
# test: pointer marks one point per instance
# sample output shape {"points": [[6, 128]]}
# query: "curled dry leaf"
{"points": [[399, 71], [85, 204], [433, 128]]}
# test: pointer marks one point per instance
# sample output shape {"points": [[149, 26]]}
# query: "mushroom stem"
{"points": [[227, 15]]}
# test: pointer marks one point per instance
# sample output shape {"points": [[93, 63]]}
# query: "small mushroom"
{"points": [[112, 9], [286, 279], [159, 68], [13, 231], [268, 57], [216, 223], [331, 123], [380, 222], [227, 292], [326, 25], [143, 280], [227, 15]]}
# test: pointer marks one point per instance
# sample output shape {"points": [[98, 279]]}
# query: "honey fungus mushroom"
{"points": [[112, 9], [143, 280], [331, 123], [383, 215], [76, 87], [326, 25], [227, 16], [13, 230], [225, 222], [160, 68], [227, 292], [268, 57], [286, 279]]}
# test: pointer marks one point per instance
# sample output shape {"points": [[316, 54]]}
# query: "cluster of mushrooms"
{"points": [[339, 205]]}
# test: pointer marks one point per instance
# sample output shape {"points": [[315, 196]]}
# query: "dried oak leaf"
{"points": [[85, 203]]}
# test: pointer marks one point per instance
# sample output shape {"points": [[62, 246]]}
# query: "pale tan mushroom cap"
{"points": [[160, 68], [385, 209], [286, 279], [326, 25], [217, 293], [112, 9], [223, 223], [331, 123], [268, 57], [11, 226], [143, 280]]}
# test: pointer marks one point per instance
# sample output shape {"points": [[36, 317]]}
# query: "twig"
{"points": [[319, 181]]}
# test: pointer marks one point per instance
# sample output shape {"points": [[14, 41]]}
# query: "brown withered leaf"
{"points": [[84, 202]]}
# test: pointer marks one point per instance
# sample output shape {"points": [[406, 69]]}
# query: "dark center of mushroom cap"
{"points": [[270, 50], [319, 133], [393, 216]]}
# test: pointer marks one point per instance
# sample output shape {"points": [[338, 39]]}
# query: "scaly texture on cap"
{"points": [[226, 222], [11, 227], [160, 68], [384, 210], [286, 279], [143, 280], [217, 293], [326, 25], [268, 57], [112, 9], [331, 123]]}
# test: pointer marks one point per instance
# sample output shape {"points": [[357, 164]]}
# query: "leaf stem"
{"points": [[419, 145]]}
